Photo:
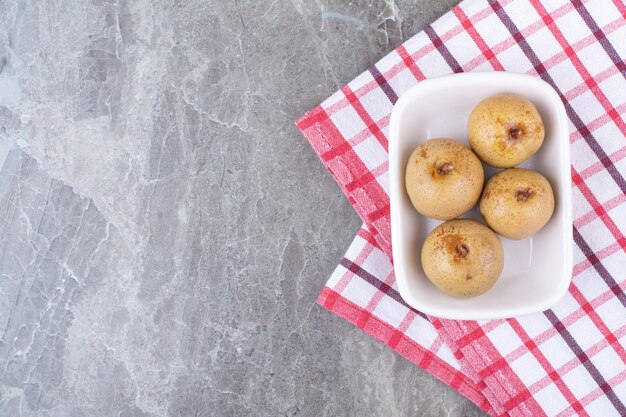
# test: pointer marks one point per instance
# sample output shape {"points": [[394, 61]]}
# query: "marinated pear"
{"points": [[463, 258], [517, 203], [444, 179], [505, 130]]}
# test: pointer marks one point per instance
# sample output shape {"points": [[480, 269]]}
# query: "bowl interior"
{"points": [[537, 270]]}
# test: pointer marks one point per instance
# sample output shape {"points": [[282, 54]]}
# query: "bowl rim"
{"points": [[566, 185]]}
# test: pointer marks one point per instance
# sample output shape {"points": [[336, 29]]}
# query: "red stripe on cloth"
{"points": [[477, 331], [579, 45], [593, 259], [621, 6], [468, 370], [584, 86], [370, 176], [556, 378], [325, 138], [578, 64], [586, 362], [599, 34], [526, 32], [439, 326], [437, 344], [360, 182], [410, 63], [597, 167], [406, 347], [365, 117], [367, 235], [399, 333], [589, 398], [312, 117], [492, 368], [380, 213], [355, 140], [597, 123], [478, 40], [335, 152], [550, 332], [571, 365], [607, 206], [597, 207], [598, 322]]}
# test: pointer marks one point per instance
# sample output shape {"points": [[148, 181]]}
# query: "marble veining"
{"points": [[164, 226]]}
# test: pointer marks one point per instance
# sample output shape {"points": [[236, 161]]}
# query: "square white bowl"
{"points": [[537, 270]]}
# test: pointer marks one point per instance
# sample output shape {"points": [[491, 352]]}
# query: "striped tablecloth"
{"points": [[570, 360]]}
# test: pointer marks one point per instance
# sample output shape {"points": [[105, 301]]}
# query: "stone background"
{"points": [[165, 227]]}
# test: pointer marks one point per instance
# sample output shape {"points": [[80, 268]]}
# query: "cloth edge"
{"points": [[441, 369]]}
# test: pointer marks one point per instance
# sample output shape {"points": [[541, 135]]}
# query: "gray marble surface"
{"points": [[165, 229]]}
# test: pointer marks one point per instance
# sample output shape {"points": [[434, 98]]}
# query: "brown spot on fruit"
{"points": [[445, 168], [462, 250], [451, 241], [516, 133], [468, 277], [423, 153], [523, 194]]}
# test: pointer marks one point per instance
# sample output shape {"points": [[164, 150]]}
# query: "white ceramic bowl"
{"points": [[537, 271]]}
